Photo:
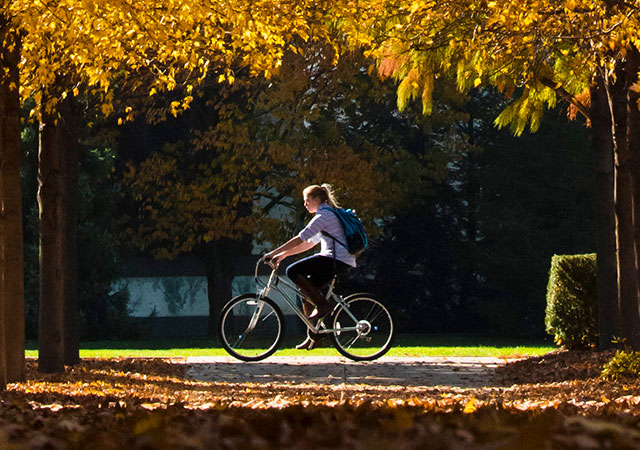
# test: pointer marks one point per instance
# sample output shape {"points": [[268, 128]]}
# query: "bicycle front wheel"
{"points": [[363, 331], [251, 328]]}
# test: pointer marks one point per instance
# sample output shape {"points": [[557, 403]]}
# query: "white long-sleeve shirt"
{"points": [[326, 220]]}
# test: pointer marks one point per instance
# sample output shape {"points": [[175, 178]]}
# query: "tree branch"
{"points": [[584, 110]]}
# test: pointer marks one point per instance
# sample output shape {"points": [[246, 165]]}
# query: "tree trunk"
{"points": [[633, 140], [11, 246], [220, 261], [219, 292], [627, 270], [4, 298], [635, 180], [57, 199], [608, 308], [219, 265], [12, 211], [50, 191], [69, 114], [471, 190]]}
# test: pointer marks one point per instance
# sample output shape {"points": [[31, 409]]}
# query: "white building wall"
{"points": [[181, 296]]}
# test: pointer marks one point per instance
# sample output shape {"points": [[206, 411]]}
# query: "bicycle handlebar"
{"points": [[269, 263]]}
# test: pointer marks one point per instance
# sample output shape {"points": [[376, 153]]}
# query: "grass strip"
{"points": [[404, 346]]}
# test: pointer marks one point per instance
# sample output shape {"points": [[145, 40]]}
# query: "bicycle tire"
{"points": [[251, 343], [375, 332]]}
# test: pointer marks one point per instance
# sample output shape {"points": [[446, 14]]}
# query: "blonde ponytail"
{"points": [[323, 192], [331, 197]]}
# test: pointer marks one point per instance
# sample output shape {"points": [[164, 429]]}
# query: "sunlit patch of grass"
{"points": [[503, 352], [404, 346]]}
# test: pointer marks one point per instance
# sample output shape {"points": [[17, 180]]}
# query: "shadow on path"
{"points": [[463, 372]]}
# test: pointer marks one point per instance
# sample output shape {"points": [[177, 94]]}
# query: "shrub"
{"points": [[571, 313], [624, 365]]}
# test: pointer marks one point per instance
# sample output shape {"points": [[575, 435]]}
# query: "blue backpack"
{"points": [[354, 232]]}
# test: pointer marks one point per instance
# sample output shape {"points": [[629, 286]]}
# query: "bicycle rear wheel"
{"points": [[365, 331], [251, 329]]}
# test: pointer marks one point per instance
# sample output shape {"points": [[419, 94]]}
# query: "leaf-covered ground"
{"points": [[552, 401]]}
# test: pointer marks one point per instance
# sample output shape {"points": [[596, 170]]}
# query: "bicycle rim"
{"points": [[251, 329], [370, 336]]}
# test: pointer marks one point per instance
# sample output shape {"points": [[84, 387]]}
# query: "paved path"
{"points": [[387, 371]]}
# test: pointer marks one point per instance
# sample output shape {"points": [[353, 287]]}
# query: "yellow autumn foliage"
{"points": [[515, 46], [93, 43]]}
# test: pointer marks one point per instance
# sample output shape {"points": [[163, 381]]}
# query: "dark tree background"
{"points": [[472, 215], [474, 255], [103, 309]]}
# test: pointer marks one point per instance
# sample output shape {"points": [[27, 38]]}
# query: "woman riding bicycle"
{"points": [[311, 274]]}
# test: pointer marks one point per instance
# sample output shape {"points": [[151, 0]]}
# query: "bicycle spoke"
{"points": [[353, 341], [240, 340], [372, 319], [251, 329], [373, 329], [268, 315], [372, 310]]}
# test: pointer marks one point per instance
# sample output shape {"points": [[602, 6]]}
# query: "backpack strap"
{"points": [[326, 233], [335, 239]]}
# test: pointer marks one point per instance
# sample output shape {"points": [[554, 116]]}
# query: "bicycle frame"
{"points": [[274, 284]]}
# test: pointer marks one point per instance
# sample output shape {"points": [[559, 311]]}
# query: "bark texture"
{"points": [[12, 324], [624, 135], [51, 348]]}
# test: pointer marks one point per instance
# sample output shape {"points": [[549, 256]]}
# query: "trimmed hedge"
{"points": [[571, 313]]}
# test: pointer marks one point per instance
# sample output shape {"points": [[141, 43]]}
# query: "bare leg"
{"points": [[307, 309]]}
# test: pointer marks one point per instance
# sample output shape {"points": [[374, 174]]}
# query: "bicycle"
{"points": [[251, 325]]}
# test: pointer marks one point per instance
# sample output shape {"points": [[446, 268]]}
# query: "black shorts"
{"points": [[317, 268]]}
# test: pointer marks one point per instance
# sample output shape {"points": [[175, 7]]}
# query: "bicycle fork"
{"points": [[254, 318]]}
